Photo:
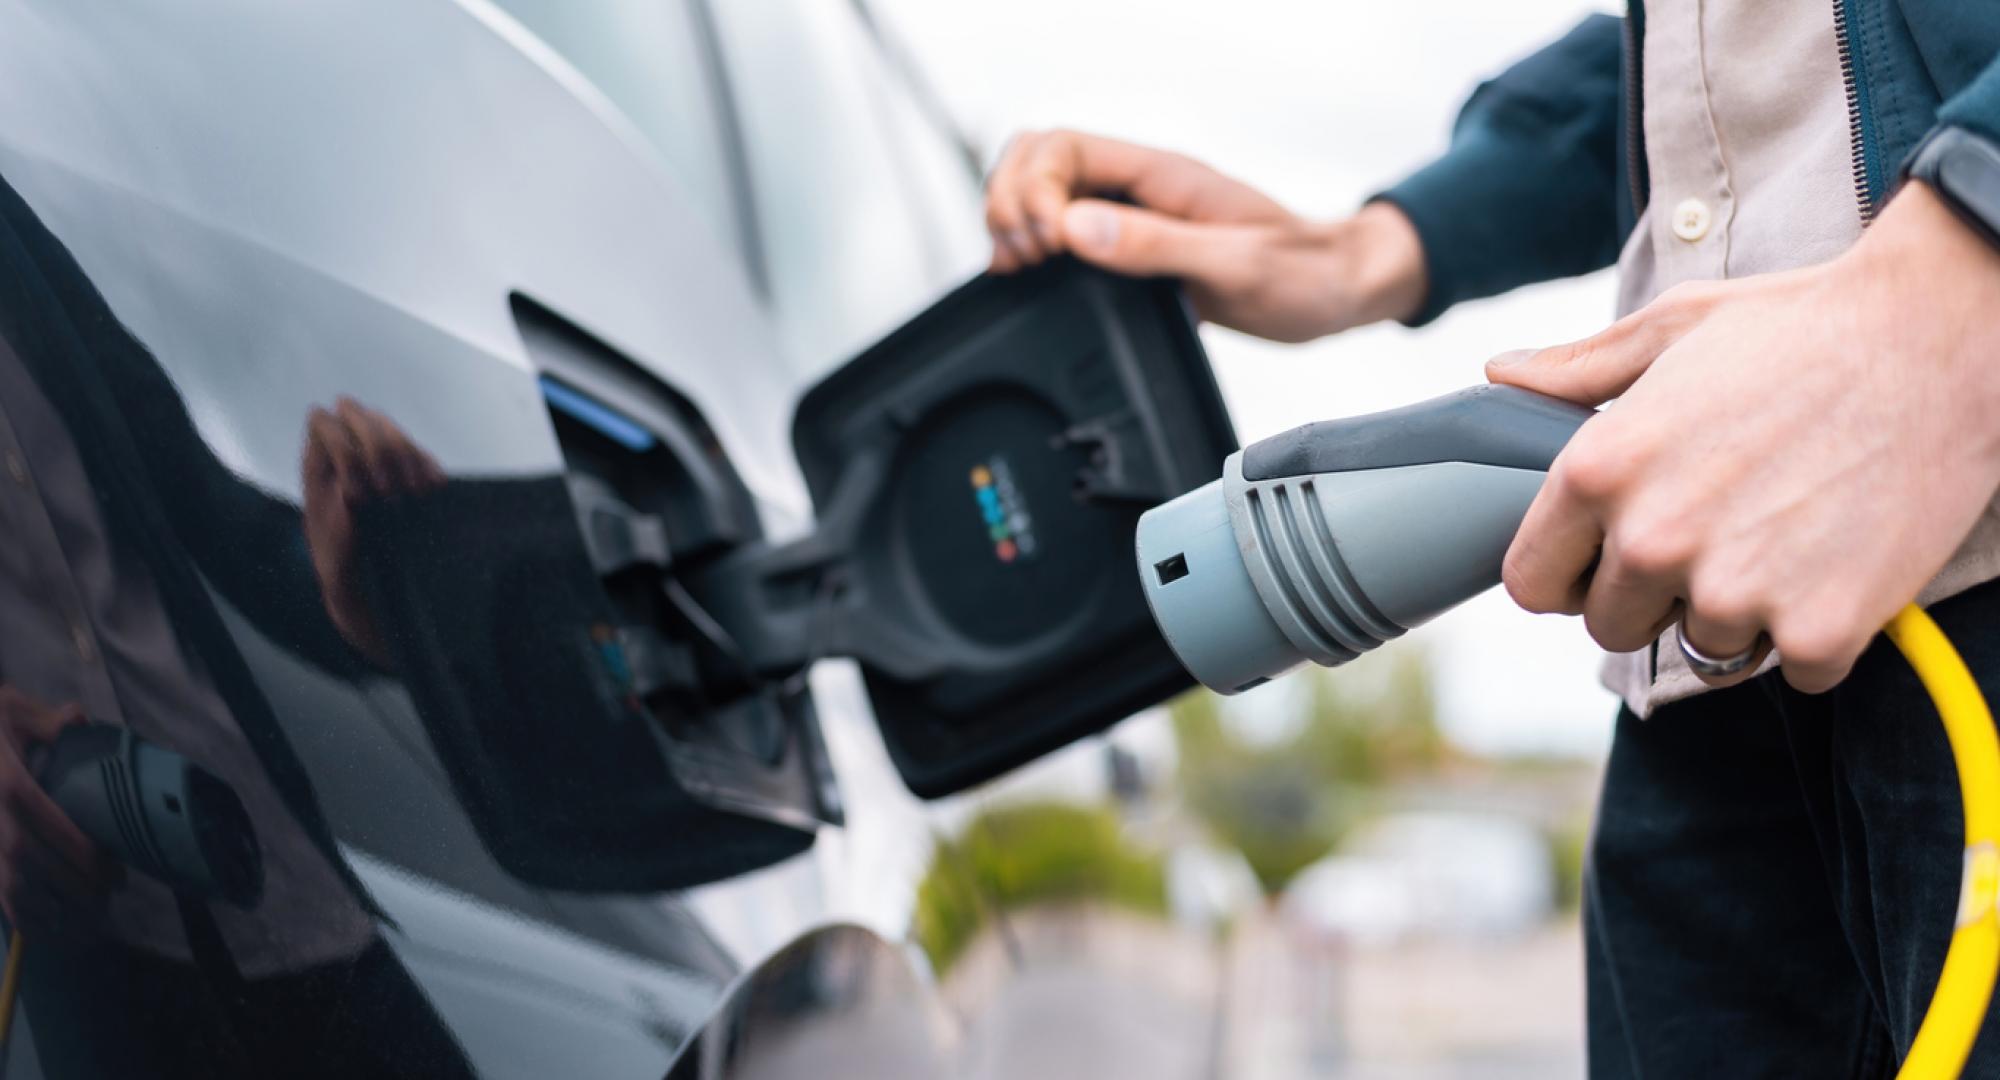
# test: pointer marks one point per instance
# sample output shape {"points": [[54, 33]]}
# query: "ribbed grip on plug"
{"points": [[1323, 610]]}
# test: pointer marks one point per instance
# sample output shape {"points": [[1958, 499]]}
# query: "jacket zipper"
{"points": [[1635, 116], [1856, 137]]}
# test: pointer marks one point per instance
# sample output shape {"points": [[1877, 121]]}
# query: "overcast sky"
{"points": [[1319, 104]]}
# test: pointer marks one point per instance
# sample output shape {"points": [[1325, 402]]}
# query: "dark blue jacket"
{"points": [[1546, 172]]}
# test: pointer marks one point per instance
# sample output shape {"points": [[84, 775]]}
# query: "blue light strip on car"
{"points": [[606, 421]]}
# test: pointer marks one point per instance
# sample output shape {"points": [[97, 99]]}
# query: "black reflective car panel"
{"points": [[406, 928]]}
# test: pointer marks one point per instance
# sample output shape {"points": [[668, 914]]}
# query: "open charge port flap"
{"points": [[978, 477]]}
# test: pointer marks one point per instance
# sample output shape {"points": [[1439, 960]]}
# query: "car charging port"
{"points": [[657, 502]]}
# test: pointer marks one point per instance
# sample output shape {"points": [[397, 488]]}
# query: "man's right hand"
{"points": [[1247, 262], [44, 857]]}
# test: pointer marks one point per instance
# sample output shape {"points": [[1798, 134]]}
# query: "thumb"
{"points": [[1588, 372], [1131, 240]]}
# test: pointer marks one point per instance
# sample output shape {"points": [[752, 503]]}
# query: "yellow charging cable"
{"points": [[1958, 1005]]}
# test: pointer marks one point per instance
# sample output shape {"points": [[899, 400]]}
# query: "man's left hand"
{"points": [[1792, 455], [353, 456]]}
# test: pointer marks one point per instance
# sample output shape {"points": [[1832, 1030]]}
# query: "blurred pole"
{"points": [[1322, 983], [922, 91]]}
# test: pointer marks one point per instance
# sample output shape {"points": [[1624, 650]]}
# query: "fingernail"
{"points": [[1094, 228], [1018, 240], [1509, 359]]}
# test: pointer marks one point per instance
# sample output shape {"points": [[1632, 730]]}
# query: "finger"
{"points": [[1817, 650], [1168, 183], [426, 473], [1006, 258], [25, 721], [1722, 637], [1548, 566], [338, 450], [1003, 260], [1588, 372], [1043, 174], [1005, 215], [1054, 170], [371, 455], [402, 463], [318, 467], [1626, 609], [1139, 242], [1047, 176], [71, 850], [1815, 677], [1605, 365], [1718, 629]]}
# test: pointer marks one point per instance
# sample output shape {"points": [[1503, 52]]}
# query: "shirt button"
{"points": [[80, 635], [17, 468], [1691, 219]]}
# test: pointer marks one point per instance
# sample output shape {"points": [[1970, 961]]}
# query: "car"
{"points": [[551, 482]]}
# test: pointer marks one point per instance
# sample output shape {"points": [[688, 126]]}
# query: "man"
{"points": [[1806, 376]]}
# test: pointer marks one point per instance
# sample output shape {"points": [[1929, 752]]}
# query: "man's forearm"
{"points": [[1528, 191]]}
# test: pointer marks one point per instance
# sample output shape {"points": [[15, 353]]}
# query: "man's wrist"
{"points": [[1943, 275], [1919, 235], [1384, 260], [1963, 168]]}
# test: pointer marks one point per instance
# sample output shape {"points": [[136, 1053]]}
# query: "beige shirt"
{"points": [[1750, 165], [81, 621]]}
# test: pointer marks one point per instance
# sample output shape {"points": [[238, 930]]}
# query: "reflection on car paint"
{"points": [[222, 608], [126, 522]]}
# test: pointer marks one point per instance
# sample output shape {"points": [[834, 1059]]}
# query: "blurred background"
{"points": [[1370, 872]]}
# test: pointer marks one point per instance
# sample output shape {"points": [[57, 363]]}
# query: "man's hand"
{"points": [[354, 455], [45, 860], [1793, 454], [1246, 261]]}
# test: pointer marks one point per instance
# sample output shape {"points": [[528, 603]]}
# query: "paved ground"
{"points": [[1095, 996], [1500, 1010], [1089, 996]]}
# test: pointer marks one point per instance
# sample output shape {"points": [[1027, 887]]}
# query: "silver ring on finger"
{"points": [[1715, 667]]}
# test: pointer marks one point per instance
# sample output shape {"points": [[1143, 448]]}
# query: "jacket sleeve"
{"points": [[1528, 191], [1976, 106]]}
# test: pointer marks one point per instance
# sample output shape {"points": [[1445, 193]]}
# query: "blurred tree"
{"points": [[1017, 855], [1286, 803], [1568, 846]]}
